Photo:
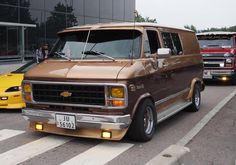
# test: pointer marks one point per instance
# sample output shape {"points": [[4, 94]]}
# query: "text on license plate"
{"points": [[65, 121]]}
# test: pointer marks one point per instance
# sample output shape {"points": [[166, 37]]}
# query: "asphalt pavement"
{"points": [[215, 144]]}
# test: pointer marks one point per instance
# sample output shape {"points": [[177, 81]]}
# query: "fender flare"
{"points": [[139, 100], [195, 81]]}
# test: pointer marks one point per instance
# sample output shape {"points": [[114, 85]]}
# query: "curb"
{"points": [[173, 155]]}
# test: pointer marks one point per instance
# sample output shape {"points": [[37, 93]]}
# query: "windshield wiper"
{"points": [[62, 55], [96, 53]]}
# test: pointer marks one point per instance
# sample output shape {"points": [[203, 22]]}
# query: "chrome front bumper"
{"points": [[82, 120], [222, 72], [217, 74]]}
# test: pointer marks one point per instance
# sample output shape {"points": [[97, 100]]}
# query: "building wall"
{"points": [[51, 16]]}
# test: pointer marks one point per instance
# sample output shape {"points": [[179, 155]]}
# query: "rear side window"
{"points": [[172, 41]]}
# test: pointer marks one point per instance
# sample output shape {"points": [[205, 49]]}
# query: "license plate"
{"points": [[207, 75], [65, 121]]}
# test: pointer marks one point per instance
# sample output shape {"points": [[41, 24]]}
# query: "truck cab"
{"points": [[218, 51]]}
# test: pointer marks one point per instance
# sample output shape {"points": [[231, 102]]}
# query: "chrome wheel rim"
{"points": [[197, 98], [148, 120]]}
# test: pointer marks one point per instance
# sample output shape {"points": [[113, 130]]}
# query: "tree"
{"points": [[60, 18], [191, 27], [139, 18], [12, 14]]}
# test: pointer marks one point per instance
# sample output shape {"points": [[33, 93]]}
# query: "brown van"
{"points": [[108, 80]]}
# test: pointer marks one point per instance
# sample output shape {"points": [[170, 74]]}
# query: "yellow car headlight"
{"points": [[13, 89], [117, 92], [27, 88]]}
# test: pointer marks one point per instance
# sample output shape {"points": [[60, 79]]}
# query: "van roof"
{"points": [[125, 24], [216, 33]]}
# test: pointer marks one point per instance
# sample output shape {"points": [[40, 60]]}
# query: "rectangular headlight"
{"points": [[27, 88], [117, 92]]}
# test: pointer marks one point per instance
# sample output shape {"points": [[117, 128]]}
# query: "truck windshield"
{"points": [[215, 41], [94, 44]]}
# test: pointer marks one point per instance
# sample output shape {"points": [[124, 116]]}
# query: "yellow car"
{"points": [[10, 87]]}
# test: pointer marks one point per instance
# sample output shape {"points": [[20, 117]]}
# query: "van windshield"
{"points": [[94, 44], [215, 41]]}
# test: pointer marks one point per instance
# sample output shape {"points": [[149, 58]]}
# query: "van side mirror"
{"points": [[163, 52]]}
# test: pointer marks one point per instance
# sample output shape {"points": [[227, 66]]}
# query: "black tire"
{"points": [[233, 81], [196, 99], [144, 122]]}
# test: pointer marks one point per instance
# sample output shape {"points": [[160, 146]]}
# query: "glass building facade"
{"points": [[26, 24]]}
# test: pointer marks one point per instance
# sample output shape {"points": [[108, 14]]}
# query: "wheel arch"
{"points": [[140, 100], [195, 81]]}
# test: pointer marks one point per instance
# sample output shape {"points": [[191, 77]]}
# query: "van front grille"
{"points": [[69, 94]]}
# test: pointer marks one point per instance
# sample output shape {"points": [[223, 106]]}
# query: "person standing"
{"points": [[39, 54]]}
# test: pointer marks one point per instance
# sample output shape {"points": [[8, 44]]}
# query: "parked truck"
{"points": [[218, 50]]}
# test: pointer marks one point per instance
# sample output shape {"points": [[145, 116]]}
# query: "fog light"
{"points": [[106, 134], [224, 78], [39, 127]]}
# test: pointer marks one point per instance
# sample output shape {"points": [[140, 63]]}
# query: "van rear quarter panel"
{"points": [[189, 43]]}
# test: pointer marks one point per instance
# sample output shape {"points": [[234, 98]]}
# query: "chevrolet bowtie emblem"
{"points": [[65, 94]]}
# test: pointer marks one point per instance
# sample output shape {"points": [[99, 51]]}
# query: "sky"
{"points": [[202, 14]]}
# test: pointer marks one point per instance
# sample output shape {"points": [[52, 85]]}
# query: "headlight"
{"points": [[117, 96], [26, 88], [13, 89], [228, 60], [27, 91], [117, 92]]}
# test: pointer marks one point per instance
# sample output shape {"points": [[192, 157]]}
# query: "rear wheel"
{"points": [[196, 99], [144, 122]]}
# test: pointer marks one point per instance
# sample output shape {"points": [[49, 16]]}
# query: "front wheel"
{"points": [[144, 122], [196, 99]]}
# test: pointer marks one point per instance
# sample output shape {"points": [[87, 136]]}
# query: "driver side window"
{"points": [[151, 42]]}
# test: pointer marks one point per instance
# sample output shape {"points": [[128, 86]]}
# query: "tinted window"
{"points": [[151, 43], [99, 43], [172, 41], [177, 43], [215, 41], [167, 40]]}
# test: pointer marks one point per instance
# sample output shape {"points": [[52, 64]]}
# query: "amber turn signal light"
{"points": [[118, 103]]}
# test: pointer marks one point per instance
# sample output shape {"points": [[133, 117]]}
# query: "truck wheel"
{"points": [[196, 99], [233, 81], [144, 122]]}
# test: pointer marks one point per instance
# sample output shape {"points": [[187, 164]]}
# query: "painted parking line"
{"points": [[8, 133], [29, 150], [99, 154]]}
